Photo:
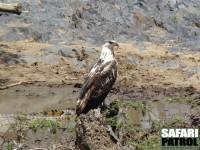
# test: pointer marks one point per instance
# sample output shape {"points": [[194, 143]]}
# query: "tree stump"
{"points": [[93, 135]]}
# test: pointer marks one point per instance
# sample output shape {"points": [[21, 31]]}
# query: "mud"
{"points": [[54, 50], [39, 140], [151, 76]]}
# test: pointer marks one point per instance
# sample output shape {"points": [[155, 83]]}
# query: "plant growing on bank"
{"points": [[184, 100], [111, 114], [50, 125], [194, 104], [9, 147], [53, 126], [147, 139], [135, 135], [20, 127], [157, 125]]}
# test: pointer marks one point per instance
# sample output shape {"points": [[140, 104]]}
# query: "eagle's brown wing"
{"points": [[97, 85]]}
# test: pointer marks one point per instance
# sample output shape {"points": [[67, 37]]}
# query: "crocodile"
{"points": [[6, 119]]}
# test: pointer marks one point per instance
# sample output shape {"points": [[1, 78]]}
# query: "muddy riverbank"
{"points": [[46, 55], [150, 77]]}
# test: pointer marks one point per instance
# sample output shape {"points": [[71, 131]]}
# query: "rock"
{"points": [[93, 22], [142, 21], [61, 50], [28, 59], [49, 58], [9, 58]]}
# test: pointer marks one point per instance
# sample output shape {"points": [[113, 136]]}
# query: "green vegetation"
{"points": [[172, 123], [50, 125], [45, 127], [111, 114], [150, 138], [19, 127], [9, 147], [176, 19], [194, 105], [135, 135], [23, 127], [53, 126], [22, 123], [184, 100]]}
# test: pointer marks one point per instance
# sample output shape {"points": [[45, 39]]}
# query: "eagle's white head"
{"points": [[107, 52]]}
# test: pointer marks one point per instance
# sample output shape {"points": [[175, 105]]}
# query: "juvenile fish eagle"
{"points": [[99, 81]]}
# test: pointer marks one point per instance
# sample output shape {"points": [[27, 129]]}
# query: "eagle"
{"points": [[99, 80]]}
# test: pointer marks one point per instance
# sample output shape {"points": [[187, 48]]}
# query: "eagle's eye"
{"points": [[110, 42]]}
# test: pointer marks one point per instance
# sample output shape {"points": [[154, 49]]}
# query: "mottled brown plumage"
{"points": [[99, 81]]}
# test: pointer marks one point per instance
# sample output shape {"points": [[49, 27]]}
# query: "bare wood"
{"points": [[19, 83], [13, 8], [111, 132], [121, 120]]}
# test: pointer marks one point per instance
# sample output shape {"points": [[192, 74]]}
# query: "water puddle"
{"points": [[35, 98], [160, 110], [29, 99]]}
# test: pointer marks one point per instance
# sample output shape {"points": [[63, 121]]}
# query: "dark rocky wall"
{"points": [[95, 21]]}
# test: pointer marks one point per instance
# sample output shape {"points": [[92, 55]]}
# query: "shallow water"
{"points": [[31, 98], [160, 110]]}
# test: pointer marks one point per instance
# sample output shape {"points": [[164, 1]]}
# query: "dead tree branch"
{"points": [[11, 8]]}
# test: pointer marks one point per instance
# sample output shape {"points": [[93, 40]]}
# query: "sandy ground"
{"points": [[153, 67]]}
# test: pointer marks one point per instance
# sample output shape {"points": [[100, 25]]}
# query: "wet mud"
{"points": [[152, 77]]}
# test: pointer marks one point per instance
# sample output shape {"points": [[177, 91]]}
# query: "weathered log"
{"points": [[11, 8]]}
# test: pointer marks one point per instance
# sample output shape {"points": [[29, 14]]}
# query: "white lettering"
{"points": [[164, 132], [196, 133], [178, 132], [183, 133], [175, 133], [172, 133], [190, 133]]}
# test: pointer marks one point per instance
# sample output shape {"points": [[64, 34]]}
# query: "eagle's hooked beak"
{"points": [[113, 44], [117, 45]]}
